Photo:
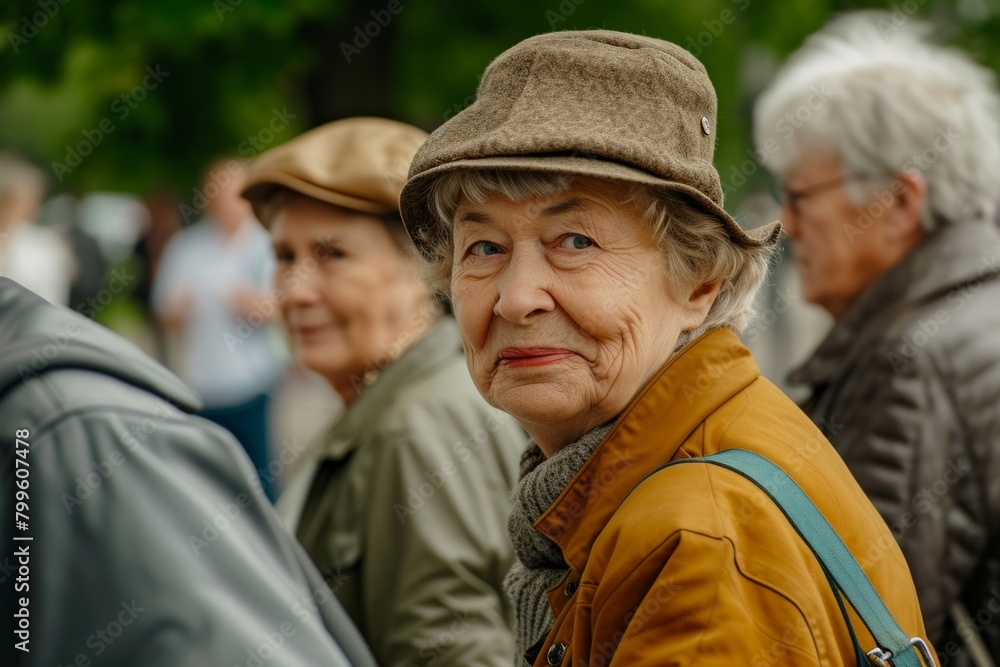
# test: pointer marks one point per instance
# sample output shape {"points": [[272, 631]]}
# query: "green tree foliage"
{"points": [[237, 76]]}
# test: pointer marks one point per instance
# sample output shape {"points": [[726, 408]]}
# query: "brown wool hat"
{"points": [[595, 103], [356, 163]]}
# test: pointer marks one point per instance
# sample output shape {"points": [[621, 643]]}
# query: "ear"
{"points": [[910, 189], [698, 303]]}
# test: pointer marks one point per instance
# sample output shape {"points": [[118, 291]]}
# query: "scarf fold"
{"points": [[539, 562]]}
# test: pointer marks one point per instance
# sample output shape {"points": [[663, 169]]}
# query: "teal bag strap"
{"points": [[895, 648]]}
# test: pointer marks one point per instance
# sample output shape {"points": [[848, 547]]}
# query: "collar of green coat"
{"points": [[441, 343], [698, 379], [954, 256]]}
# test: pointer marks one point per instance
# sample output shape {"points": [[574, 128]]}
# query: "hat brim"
{"points": [[418, 217], [266, 183]]}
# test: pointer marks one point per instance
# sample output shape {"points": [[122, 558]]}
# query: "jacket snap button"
{"points": [[556, 653], [570, 589]]}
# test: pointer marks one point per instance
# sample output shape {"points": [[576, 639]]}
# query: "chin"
{"points": [[327, 363], [538, 403]]}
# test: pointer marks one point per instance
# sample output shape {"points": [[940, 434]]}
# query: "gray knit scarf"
{"points": [[539, 564]]}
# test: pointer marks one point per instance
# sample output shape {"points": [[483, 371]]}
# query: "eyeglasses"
{"points": [[793, 198]]}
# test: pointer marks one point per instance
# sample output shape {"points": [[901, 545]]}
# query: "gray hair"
{"points": [[871, 88], [696, 246]]}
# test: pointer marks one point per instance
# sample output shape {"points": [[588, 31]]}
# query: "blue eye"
{"points": [[484, 249], [577, 242]]}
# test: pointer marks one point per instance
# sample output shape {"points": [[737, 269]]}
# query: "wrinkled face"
{"points": [[349, 295], [839, 247], [564, 307]]}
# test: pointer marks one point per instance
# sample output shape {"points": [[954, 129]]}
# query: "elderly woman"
{"points": [[889, 196], [402, 507], [575, 218]]}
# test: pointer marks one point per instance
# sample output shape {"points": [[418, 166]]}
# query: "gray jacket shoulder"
{"points": [[166, 532]]}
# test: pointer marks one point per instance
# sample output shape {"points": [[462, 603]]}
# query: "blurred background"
{"points": [[122, 104]]}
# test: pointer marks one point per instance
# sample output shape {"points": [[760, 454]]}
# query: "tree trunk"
{"points": [[353, 75]]}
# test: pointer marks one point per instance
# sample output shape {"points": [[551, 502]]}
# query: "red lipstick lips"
{"points": [[308, 332], [523, 357]]}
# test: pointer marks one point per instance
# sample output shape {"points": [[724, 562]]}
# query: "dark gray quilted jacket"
{"points": [[907, 387]]}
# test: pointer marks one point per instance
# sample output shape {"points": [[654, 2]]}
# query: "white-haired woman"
{"points": [[890, 185], [574, 216]]}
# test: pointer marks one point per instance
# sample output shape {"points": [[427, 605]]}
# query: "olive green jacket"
{"points": [[406, 515]]}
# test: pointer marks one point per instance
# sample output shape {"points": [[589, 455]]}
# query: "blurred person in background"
{"points": [[887, 148], [62, 215], [37, 257], [402, 503], [148, 545], [163, 223], [211, 290], [788, 328]]}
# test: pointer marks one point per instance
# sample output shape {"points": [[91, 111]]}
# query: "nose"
{"points": [[300, 286], [789, 220], [524, 287]]}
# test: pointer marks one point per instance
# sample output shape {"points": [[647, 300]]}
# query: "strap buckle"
{"points": [[880, 657]]}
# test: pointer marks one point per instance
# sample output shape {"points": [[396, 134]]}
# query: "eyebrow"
{"points": [[472, 216], [322, 242], [565, 206]]}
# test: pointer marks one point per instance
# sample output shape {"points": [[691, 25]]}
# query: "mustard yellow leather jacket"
{"points": [[698, 566]]}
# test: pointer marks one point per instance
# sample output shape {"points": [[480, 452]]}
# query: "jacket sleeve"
{"points": [[153, 546], [700, 610], [436, 554], [904, 446]]}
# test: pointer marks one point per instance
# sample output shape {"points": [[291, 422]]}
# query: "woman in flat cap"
{"points": [[573, 215], [402, 503]]}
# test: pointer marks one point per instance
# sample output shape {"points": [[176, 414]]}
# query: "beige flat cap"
{"points": [[356, 163]]}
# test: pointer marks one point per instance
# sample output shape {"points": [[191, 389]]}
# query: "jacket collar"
{"points": [[441, 343], [702, 376], [953, 256]]}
